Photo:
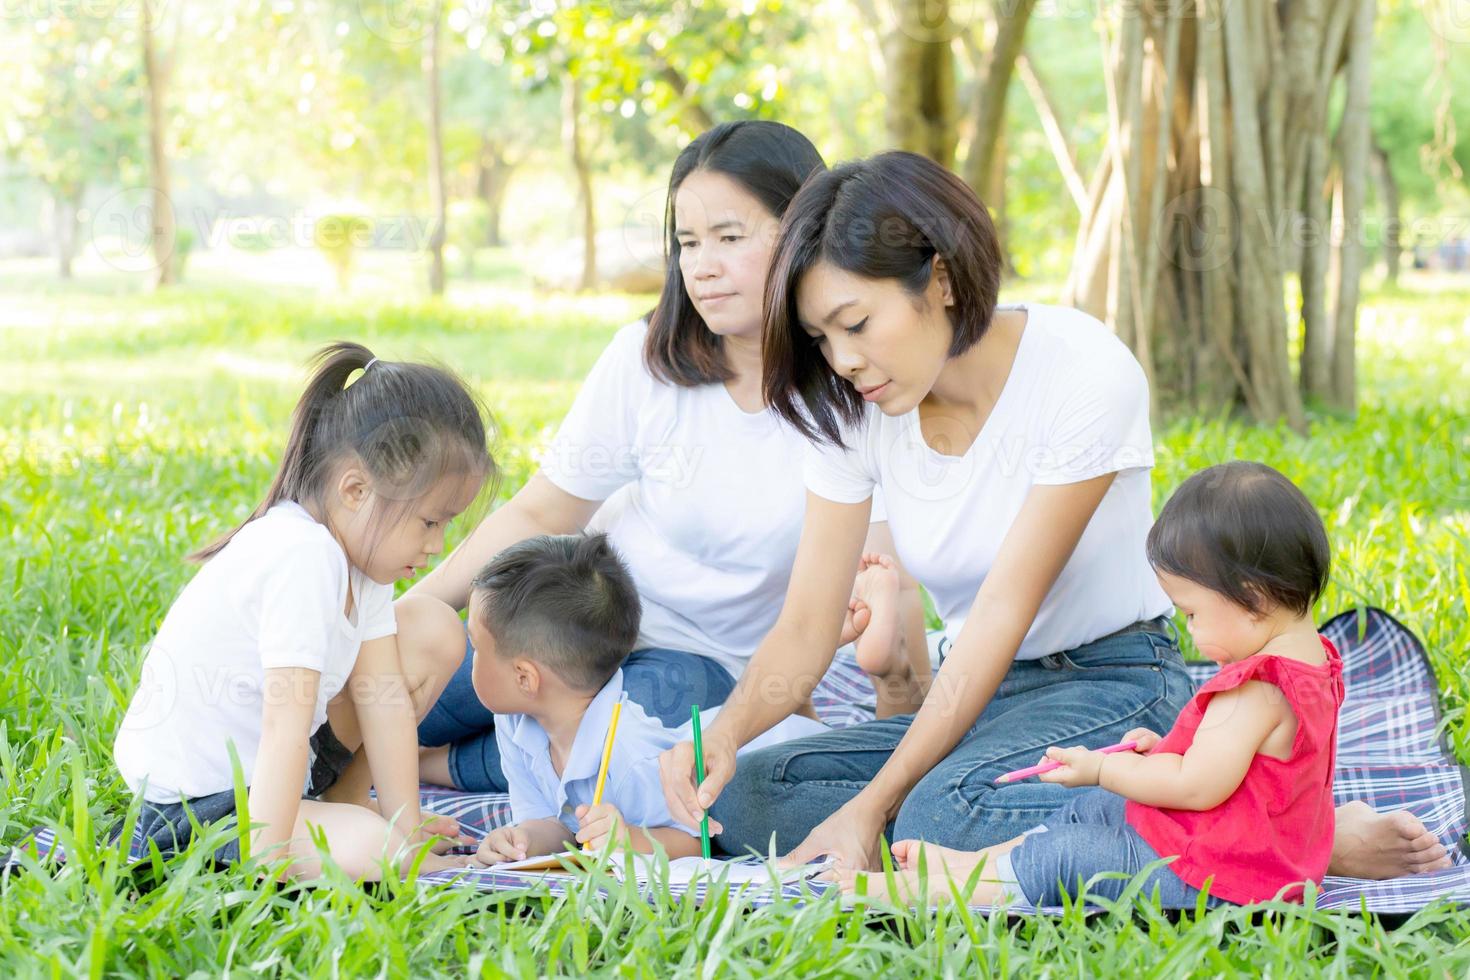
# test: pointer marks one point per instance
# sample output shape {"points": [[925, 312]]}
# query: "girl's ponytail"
{"points": [[301, 464]]}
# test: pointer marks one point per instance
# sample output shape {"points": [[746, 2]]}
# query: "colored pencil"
{"points": [[607, 746], [1037, 770], [699, 772]]}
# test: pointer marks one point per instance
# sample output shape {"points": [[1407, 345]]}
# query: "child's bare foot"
{"points": [[936, 858], [879, 651], [1369, 844], [444, 862], [445, 828]]}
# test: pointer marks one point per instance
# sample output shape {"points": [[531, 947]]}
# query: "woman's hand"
{"points": [[850, 837], [687, 800]]}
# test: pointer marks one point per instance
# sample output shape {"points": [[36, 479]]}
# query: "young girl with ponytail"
{"points": [[281, 654]]}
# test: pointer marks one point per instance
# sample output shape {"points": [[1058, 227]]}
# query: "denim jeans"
{"points": [[1090, 836], [664, 682], [1089, 696]]}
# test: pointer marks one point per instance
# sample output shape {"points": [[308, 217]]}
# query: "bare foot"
{"points": [[878, 648], [1369, 844], [446, 828], [952, 860], [445, 862]]}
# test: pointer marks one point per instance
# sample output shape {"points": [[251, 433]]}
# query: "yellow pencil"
{"points": [[612, 731]]}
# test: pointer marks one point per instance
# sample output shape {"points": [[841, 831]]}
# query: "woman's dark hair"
{"points": [[1245, 531], [565, 601], [770, 161], [408, 425], [886, 217]]}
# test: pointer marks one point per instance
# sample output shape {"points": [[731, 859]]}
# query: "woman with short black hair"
{"points": [[1012, 448]]}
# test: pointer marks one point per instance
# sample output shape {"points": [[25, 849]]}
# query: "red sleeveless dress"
{"points": [[1276, 829]]}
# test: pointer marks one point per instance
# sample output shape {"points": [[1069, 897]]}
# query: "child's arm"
{"points": [[520, 841], [380, 693], [598, 822], [1236, 724], [289, 698]]}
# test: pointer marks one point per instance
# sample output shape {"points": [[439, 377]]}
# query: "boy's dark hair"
{"points": [[409, 425], [565, 601], [886, 217], [769, 160], [1245, 531]]}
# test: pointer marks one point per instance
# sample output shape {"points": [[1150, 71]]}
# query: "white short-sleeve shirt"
{"points": [[707, 505], [275, 596], [1075, 406]]}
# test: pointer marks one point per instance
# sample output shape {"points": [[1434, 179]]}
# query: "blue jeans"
{"points": [[664, 682], [1090, 836], [1088, 696]]}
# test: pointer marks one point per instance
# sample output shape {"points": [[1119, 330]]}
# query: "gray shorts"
{"points": [[168, 824]]}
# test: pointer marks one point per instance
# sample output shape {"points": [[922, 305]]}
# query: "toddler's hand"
{"points": [[503, 844], [1146, 739], [596, 824], [1080, 766]]}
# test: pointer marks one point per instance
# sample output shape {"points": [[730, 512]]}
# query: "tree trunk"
{"points": [[163, 233], [492, 179], [1212, 191], [1061, 150], [65, 206], [920, 83], [990, 102], [572, 135], [1353, 141], [1388, 200], [438, 202]]}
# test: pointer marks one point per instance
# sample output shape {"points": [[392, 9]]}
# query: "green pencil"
{"points": [[699, 772]]}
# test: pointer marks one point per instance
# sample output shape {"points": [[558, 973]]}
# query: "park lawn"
{"points": [[134, 427]]}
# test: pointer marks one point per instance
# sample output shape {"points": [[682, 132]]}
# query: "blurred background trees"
{"points": [[1211, 177]]}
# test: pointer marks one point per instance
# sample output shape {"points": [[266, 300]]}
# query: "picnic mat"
{"points": [[1391, 755]]}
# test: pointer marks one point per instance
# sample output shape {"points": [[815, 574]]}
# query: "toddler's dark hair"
{"points": [[565, 601], [1245, 531], [408, 425]]}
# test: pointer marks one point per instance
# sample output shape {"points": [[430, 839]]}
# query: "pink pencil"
{"points": [[1011, 777]]}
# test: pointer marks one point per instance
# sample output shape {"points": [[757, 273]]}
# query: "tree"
{"points": [[75, 106], [646, 78], [438, 198], [158, 70], [1214, 188], [918, 75]]}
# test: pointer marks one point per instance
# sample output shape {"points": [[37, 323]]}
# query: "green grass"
{"points": [[134, 427]]}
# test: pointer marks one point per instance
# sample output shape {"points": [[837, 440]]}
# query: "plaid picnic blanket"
{"points": [[1391, 754]]}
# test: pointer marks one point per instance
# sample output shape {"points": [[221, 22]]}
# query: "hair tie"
{"points": [[368, 366]]}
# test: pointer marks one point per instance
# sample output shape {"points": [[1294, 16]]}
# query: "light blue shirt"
{"points": [[633, 786]]}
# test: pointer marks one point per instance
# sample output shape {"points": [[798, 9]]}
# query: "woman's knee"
{"points": [[431, 637]]}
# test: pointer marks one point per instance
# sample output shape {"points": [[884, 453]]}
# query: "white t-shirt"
{"points": [[1075, 406], [273, 597], [711, 500]]}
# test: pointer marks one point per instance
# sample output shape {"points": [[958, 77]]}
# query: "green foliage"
{"points": [[137, 427], [338, 237], [73, 107]]}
